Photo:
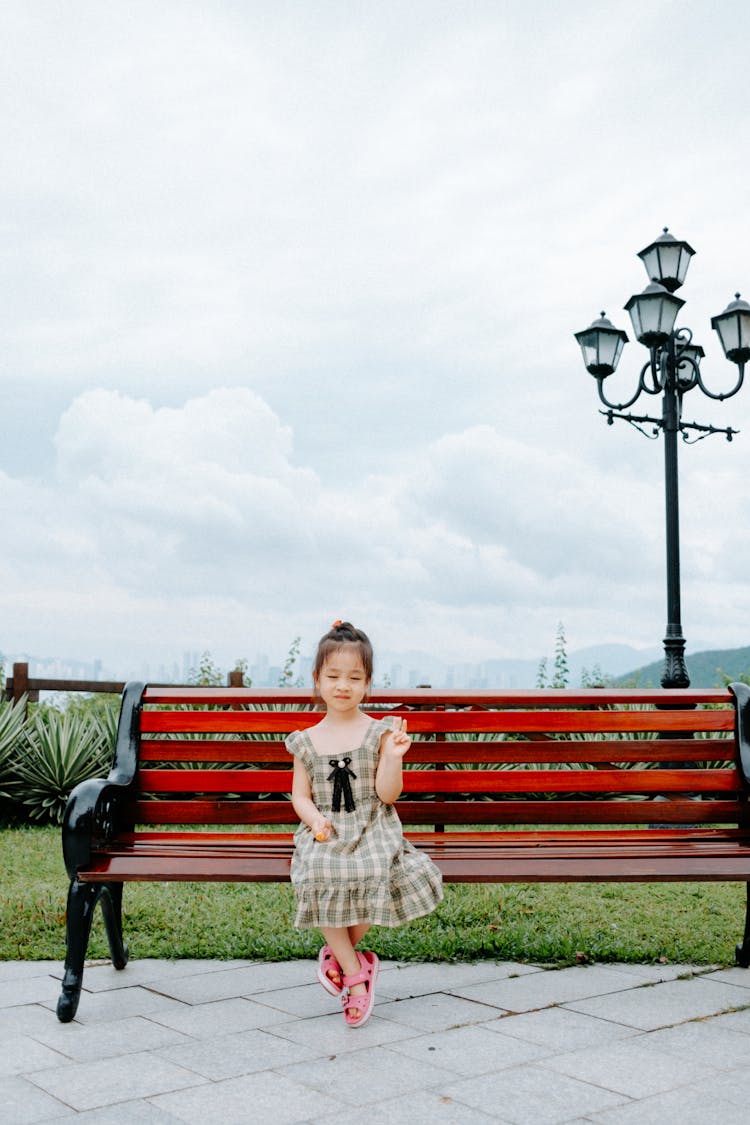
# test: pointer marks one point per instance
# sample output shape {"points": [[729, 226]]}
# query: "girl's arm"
{"points": [[389, 781], [303, 804]]}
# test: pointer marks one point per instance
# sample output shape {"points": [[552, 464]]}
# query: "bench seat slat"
{"points": [[498, 857], [617, 836]]}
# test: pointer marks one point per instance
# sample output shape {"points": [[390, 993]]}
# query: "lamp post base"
{"points": [[675, 674]]}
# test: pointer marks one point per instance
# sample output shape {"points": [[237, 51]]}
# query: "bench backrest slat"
{"points": [[624, 782], [469, 721], [518, 813], [557, 750]]}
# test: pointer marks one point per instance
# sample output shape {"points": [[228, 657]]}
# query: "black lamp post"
{"points": [[672, 369]]}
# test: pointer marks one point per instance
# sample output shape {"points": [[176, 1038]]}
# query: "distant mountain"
{"points": [[409, 668], [705, 669], [620, 663]]}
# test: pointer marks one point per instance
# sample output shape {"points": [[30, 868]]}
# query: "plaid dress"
{"points": [[366, 871]]}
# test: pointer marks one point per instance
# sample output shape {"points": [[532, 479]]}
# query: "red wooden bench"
{"points": [[500, 786]]}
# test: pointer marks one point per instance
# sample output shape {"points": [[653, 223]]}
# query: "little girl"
{"points": [[352, 867]]}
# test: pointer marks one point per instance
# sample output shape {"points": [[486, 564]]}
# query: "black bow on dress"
{"points": [[340, 775]]}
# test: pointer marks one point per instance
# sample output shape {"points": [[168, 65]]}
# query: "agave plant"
{"points": [[60, 750], [12, 719]]}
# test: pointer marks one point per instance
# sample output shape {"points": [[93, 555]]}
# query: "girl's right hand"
{"points": [[321, 829]]}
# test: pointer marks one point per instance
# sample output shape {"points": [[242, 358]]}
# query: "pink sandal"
{"points": [[327, 963], [368, 974]]}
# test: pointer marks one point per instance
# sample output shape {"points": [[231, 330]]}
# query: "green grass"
{"points": [[698, 923]]}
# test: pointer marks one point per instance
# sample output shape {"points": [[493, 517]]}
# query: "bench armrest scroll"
{"points": [[92, 814], [741, 693], [90, 820]]}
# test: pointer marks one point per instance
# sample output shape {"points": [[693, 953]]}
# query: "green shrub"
{"points": [[59, 751], [12, 719]]}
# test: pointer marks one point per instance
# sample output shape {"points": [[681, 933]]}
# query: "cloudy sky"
{"points": [[289, 293]]}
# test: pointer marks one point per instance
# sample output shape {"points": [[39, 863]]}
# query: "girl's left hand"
{"points": [[397, 741]]}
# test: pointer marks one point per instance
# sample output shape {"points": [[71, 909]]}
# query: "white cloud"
{"points": [[196, 519]]}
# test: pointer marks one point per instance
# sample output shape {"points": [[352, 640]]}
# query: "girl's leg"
{"points": [[343, 950], [356, 933]]}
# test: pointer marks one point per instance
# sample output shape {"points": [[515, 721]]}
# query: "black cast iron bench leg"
{"points": [[82, 900], [111, 904], [742, 952]]}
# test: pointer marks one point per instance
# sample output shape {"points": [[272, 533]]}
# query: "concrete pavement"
{"points": [[242, 1041]]}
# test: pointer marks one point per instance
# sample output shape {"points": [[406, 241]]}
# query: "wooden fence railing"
{"points": [[20, 684]]}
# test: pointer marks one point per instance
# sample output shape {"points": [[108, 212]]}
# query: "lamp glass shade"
{"points": [[733, 327], [601, 344], [686, 372], [666, 260], [653, 313]]}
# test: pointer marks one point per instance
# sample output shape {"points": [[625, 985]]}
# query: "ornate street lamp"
{"points": [[672, 369]]}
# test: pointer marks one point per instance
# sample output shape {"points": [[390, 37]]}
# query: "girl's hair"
{"points": [[338, 636]]}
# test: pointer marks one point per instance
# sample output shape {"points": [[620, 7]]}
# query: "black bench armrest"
{"points": [[741, 693], [92, 813]]}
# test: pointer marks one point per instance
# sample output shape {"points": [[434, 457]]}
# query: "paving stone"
{"points": [[242, 1052], [365, 1076], [107, 1081], [20, 1054], [86, 1042], [662, 1005], [220, 1017], [126, 1113], [23, 970], [631, 1067], [103, 976], [559, 1028], [286, 974], [201, 988], [735, 975], [469, 1050], [429, 1108], [530, 1095], [266, 1097], [527, 993], [423, 977], [305, 1000], [436, 1011], [711, 1041], [105, 1007], [733, 1086], [654, 974], [23, 1103], [28, 990], [685, 1106], [336, 1038], [27, 1019], [736, 1021]]}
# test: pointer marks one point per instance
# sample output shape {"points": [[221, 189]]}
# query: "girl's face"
{"points": [[342, 683]]}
